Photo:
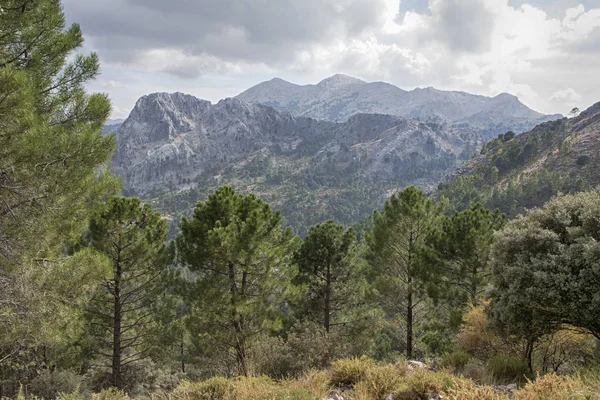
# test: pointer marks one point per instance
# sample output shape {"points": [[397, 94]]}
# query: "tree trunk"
{"points": [[326, 322], [182, 351], [116, 358], [237, 323], [409, 325], [529, 354]]}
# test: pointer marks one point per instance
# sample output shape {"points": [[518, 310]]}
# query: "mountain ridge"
{"points": [[338, 97]]}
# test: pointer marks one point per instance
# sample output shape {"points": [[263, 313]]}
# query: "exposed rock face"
{"points": [[339, 97], [172, 138]]}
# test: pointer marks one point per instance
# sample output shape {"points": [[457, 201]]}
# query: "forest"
{"points": [[430, 295]]}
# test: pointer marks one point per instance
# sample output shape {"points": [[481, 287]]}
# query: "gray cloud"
{"points": [[263, 31], [464, 25]]}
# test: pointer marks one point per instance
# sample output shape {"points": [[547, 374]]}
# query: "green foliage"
{"points": [[350, 371], [51, 157], [111, 394], [545, 268], [49, 384], [583, 160], [396, 244], [462, 245], [457, 360], [506, 369], [133, 237], [332, 273], [236, 246]]}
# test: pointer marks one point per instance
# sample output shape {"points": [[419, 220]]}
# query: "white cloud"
{"points": [[567, 97], [481, 46]]}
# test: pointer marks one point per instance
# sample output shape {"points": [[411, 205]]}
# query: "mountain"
{"points": [[112, 125], [174, 148], [517, 172], [339, 97]]}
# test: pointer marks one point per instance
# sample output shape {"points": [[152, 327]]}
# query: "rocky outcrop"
{"points": [[171, 139]]}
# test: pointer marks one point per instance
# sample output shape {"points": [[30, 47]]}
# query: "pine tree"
{"points": [[51, 150], [331, 271], [121, 312], [241, 255], [462, 245], [396, 245]]}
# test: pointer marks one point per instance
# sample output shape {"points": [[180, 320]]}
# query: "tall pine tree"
{"points": [[51, 150], [396, 245], [122, 310], [241, 255], [332, 272]]}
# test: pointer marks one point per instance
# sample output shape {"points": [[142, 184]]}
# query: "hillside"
{"points": [[513, 173], [339, 97], [175, 148]]}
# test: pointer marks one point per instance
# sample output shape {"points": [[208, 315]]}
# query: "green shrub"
{"points": [[217, 388], [49, 384], [422, 382], [476, 371], [383, 380], [350, 371], [582, 160], [507, 369], [110, 394], [456, 360]]}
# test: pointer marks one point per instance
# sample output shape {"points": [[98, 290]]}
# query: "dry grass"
{"points": [[367, 380], [554, 387]]}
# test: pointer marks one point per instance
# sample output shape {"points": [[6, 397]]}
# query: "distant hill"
{"points": [[339, 97], [514, 173]]}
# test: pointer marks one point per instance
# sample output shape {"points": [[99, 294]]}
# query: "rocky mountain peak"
{"points": [[338, 81]]}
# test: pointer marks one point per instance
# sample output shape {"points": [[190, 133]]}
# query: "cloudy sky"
{"points": [[547, 52]]}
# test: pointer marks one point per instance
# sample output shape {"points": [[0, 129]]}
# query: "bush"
{"points": [[261, 388], [350, 370], [476, 371], [213, 389], [465, 390], [506, 369], [456, 360], [582, 160], [553, 387], [422, 382], [49, 384], [383, 380], [110, 394]]}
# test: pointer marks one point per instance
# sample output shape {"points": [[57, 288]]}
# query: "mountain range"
{"points": [[339, 97], [332, 150]]}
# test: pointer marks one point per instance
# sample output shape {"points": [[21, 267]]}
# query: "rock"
{"points": [[505, 389], [392, 396], [407, 395], [413, 365], [172, 139], [340, 393]]}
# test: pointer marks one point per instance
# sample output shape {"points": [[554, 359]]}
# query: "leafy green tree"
{"points": [[241, 255], [545, 269], [51, 150], [121, 311], [331, 270], [462, 245], [396, 244]]}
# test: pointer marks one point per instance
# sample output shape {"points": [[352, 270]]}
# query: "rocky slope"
{"points": [[514, 173], [339, 97], [173, 144]]}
